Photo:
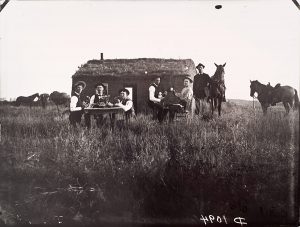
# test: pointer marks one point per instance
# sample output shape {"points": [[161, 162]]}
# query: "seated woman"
{"points": [[187, 93]]}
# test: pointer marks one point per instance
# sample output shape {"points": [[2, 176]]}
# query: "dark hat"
{"points": [[200, 65], [100, 84], [124, 90], [188, 78], [82, 83]]}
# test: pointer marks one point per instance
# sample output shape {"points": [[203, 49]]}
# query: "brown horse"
{"points": [[287, 95], [60, 98], [29, 100], [267, 95], [217, 88]]}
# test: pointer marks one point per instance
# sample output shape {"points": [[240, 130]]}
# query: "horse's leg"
{"points": [[212, 106], [219, 105], [216, 103], [264, 108], [292, 103], [287, 107], [57, 109]]}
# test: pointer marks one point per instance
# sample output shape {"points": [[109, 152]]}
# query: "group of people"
{"points": [[161, 101], [99, 99]]}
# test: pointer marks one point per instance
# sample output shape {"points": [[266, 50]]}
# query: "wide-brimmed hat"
{"points": [[200, 64], [100, 84], [188, 78], [124, 90], [80, 83]]}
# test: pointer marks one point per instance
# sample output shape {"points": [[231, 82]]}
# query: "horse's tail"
{"points": [[296, 99]]}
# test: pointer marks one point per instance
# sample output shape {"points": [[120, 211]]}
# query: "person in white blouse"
{"points": [[77, 104], [126, 104], [187, 92]]}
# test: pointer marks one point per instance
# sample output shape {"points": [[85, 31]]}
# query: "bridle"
{"points": [[254, 97]]}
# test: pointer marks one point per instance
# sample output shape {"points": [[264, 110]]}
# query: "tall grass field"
{"points": [[242, 164]]}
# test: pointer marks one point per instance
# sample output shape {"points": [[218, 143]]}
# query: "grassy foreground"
{"points": [[239, 165]]}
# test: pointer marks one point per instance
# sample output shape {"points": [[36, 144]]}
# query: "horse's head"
{"points": [[253, 87], [220, 69], [220, 72]]}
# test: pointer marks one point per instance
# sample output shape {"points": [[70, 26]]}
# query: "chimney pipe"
{"points": [[102, 56]]}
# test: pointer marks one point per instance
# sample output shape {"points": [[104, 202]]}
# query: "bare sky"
{"points": [[43, 42]]}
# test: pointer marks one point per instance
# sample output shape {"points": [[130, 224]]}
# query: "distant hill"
{"points": [[242, 102]]}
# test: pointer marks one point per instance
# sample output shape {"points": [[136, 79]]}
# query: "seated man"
{"points": [[174, 103], [126, 104], [77, 105], [98, 100], [155, 96]]}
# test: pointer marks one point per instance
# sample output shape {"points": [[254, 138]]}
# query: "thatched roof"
{"points": [[137, 67]]}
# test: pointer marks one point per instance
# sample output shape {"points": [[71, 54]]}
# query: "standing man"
{"points": [[200, 88], [77, 105], [126, 104], [154, 100]]}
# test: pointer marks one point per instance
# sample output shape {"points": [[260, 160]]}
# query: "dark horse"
{"points": [[22, 100], [268, 95], [217, 88], [59, 98]]}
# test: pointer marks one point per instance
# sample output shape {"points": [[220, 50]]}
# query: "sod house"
{"points": [[134, 74]]}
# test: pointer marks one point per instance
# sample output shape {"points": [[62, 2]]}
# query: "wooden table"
{"points": [[112, 111], [104, 110]]}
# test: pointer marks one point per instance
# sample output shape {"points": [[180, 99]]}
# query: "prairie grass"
{"points": [[236, 164]]}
